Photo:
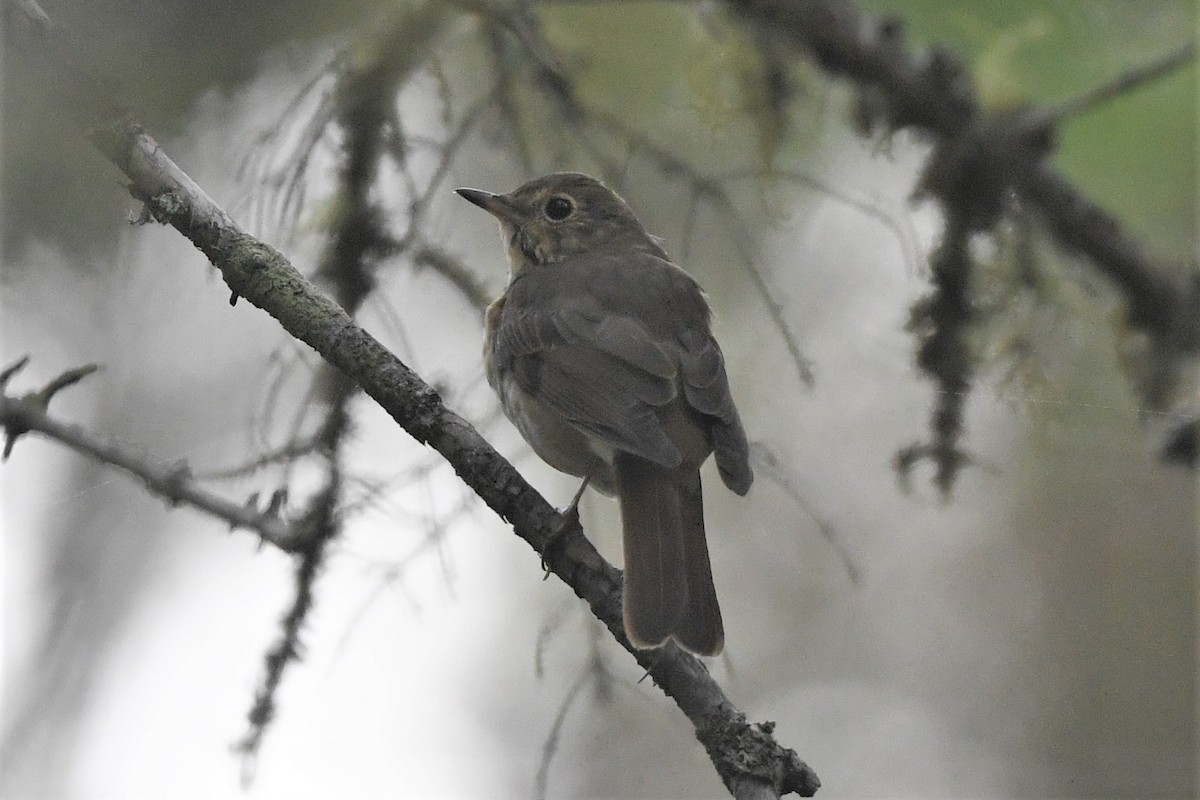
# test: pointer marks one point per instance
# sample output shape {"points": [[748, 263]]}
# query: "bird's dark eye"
{"points": [[558, 208]]}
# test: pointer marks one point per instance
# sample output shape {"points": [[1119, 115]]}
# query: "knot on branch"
{"points": [[1183, 445], [163, 207], [901, 92], [745, 753], [13, 411], [973, 174], [175, 482]]}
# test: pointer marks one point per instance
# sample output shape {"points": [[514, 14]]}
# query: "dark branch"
{"points": [[981, 160], [934, 96]]}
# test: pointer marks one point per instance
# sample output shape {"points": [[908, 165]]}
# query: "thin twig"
{"points": [[1126, 82], [550, 746], [173, 482]]}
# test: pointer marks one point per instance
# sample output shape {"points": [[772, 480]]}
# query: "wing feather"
{"points": [[610, 343]]}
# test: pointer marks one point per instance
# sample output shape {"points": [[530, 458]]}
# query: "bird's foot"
{"points": [[570, 519]]}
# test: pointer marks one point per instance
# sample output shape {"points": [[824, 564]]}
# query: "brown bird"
{"points": [[601, 353]]}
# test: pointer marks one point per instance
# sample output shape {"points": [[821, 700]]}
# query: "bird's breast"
{"points": [[556, 441]]}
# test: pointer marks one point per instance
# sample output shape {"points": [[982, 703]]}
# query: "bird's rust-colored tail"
{"points": [[669, 588]]}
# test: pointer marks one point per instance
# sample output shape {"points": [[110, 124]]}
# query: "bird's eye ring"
{"points": [[558, 208]]}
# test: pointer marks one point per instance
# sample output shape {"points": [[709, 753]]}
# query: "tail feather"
{"points": [[699, 628], [668, 579]]}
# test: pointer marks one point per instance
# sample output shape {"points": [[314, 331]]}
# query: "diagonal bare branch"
{"points": [[745, 755]]}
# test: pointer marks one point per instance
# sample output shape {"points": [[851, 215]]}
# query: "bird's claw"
{"points": [[569, 517]]}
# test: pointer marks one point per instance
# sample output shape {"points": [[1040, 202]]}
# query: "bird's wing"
{"points": [[555, 356], [706, 388], [608, 342]]}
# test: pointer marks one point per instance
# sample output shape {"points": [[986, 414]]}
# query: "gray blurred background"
{"points": [[1031, 635]]}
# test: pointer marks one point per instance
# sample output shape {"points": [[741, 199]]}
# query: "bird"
{"points": [[601, 352]]}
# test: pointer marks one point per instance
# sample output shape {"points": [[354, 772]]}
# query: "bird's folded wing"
{"points": [[605, 375], [608, 342], [705, 384], [609, 400]]}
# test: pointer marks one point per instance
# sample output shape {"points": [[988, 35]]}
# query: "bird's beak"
{"points": [[495, 204]]}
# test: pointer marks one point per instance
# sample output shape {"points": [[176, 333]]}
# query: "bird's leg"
{"points": [[570, 516], [571, 512]]}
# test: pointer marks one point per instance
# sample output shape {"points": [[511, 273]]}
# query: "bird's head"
{"points": [[562, 215]]}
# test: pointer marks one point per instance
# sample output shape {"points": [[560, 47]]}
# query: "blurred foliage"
{"points": [[697, 80], [160, 57], [686, 75], [1136, 155]]}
